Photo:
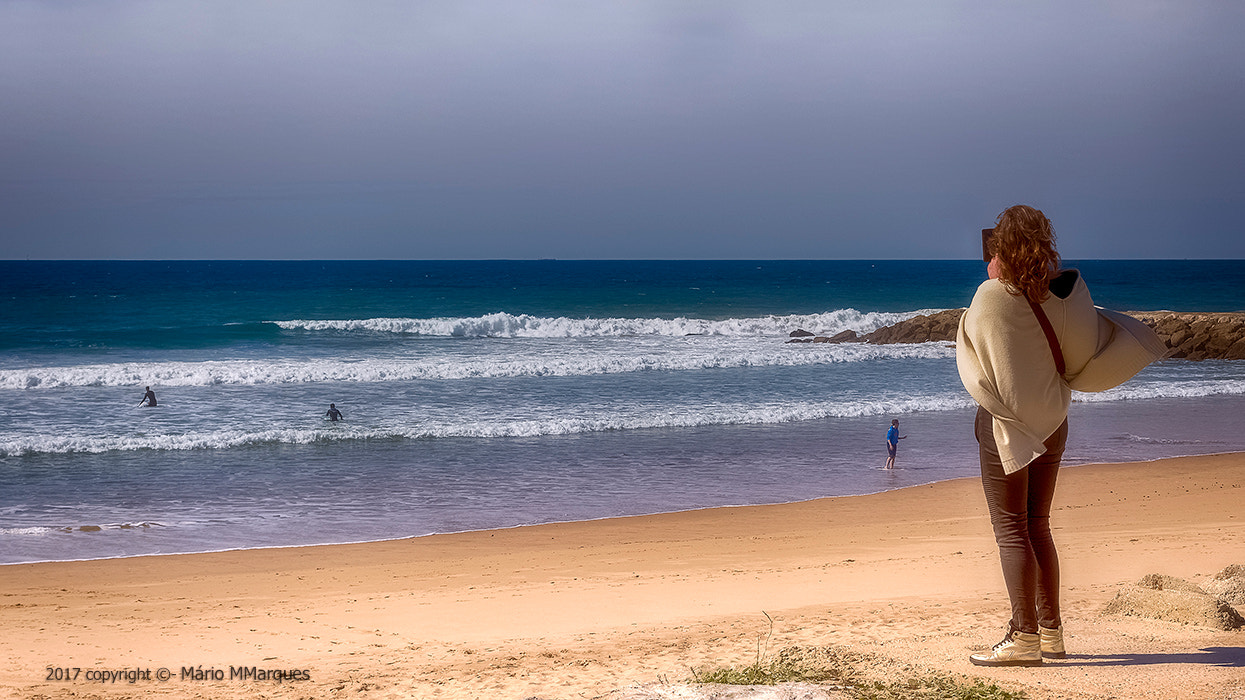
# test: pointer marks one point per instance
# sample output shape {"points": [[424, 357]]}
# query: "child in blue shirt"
{"points": [[892, 443]]}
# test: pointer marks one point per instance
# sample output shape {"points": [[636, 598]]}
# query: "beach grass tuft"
{"points": [[932, 687], [769, 673], [844, 669]]}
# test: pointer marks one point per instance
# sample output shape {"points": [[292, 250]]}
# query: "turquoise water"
{"points": [[492, 394]]}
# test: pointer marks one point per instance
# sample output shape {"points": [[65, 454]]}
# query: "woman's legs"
{"points": [[1042, 475], [1019, 505]]}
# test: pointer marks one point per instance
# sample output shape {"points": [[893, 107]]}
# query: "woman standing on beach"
{"points": [[1031, 335]]}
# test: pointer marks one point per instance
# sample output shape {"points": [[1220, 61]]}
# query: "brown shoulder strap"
{"points": [[1050, 335]]}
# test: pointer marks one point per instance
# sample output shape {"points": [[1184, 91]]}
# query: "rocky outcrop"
{"points": [[844, 337], [1199, 336], [1190, 335], [938, 327], [921, 329]]}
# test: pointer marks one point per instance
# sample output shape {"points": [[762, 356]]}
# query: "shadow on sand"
{"points": [[1230, 657]]}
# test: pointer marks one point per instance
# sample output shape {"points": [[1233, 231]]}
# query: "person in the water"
{"points": [[334, 414], [892, 443], [149, 399]]}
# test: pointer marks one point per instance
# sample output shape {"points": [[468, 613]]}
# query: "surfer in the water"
{"points": [[149, 398], [334, 414]]}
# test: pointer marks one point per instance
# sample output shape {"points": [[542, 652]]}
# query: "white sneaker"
{"points": [[1017, 649], [1052, 643]]}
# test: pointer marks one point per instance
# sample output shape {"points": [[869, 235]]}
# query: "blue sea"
{"points": [[502, 393]]}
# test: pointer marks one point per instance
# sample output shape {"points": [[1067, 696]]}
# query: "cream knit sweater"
{"points": [[1006, 363]]}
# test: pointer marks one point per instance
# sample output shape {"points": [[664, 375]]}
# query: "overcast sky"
{"points": [[617, 129]]}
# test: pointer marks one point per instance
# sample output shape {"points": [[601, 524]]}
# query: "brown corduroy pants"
{"points": [[1019, 506]]}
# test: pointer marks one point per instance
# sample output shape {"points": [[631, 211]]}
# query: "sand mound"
{"points": [[1160, 597], [1228, 585], [1163, 582], [1232, 571]]}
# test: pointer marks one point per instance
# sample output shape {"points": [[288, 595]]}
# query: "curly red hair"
{"points": [[1024, 243]]}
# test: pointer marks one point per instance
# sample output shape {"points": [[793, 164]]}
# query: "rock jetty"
{"points": [[1199, 336], [1189, 335]]}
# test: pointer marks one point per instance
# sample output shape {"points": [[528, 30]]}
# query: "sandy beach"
{"points": [[626, 608]]}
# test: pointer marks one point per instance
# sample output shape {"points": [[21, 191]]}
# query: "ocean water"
{"points": [[495, 394]]}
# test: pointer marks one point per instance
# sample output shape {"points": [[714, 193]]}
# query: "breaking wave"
{"points": [[1186, 389], [504, 325], [728, 414], [514, 362]]}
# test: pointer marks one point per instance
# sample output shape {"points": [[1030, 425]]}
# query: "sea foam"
{"points": [[598, 420], [506, 362], [1186, 389], [504, 325]]}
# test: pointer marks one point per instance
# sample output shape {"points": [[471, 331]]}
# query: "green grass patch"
{"points": [[771, 673], [843, 669], [933, 687], [794, 664], [846, 677]]}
